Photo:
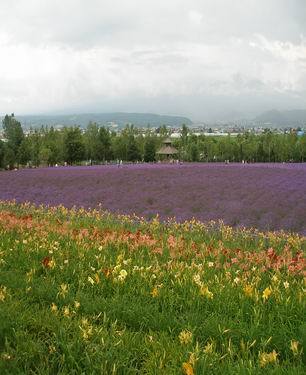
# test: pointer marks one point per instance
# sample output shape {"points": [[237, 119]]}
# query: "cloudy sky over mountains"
{"points": [[200, 58]]}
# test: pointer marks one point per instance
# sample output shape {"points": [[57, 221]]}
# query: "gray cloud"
{"points": [[165, 56]]}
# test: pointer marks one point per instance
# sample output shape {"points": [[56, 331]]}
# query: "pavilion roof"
{"points": [[167, 150]]}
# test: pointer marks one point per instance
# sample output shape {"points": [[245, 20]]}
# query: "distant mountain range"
{"points": [[273, 118], [282, 118], [119, 118]]}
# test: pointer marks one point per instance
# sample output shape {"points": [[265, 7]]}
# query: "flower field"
{"points": [[84, 291], [264, 196]]}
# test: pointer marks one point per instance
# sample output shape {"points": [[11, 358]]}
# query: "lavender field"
{"points": [[264, 196]]}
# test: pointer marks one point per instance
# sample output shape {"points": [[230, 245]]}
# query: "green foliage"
{"points": [[104, 139], [24, 152], [133, 153], [149, 149], [9, 159], [14, 135], [2, 153], [92, 142], [12, 131], [45, 155], [53, 141], [73, 145]]}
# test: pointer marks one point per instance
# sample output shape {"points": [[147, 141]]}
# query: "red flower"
{"points": [[47, 262]]}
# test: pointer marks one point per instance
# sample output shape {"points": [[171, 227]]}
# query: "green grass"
{"points": [[89, 293]]}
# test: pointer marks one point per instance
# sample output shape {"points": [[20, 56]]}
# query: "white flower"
{"points": [[122, 275], [286, 285], [197, 279]]}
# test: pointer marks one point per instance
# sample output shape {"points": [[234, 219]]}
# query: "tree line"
{"points": [[97, 144]]}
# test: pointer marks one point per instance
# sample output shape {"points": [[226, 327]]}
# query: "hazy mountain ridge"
{"points": [[274, 118], [283, 118], [119, 118]]}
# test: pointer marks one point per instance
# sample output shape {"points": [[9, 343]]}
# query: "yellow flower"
{"points": [[86, 332], [185, 337], [122, 275], [274, 278], [187, 368], [2, 293], [97, 278], [154, 292], [66, 311], [63, 290], [266, 293], [204, 291], [52, 349], [84, 321], [30, 275], [266, 358], [209, 348], [77, 304], [294, 347], [193, 356], [248, 290], [86, 329], [53, 307], [91, 280]]}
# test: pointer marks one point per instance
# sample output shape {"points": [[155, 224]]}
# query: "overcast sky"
{"points": [[199, 58]]}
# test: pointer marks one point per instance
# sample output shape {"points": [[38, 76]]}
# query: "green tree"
{"points": [[9, 159], [45, 155], [74, 147], [133, 153], [12, 131], [184, 134], [92, 142], [192, 148], [104, 144], [35, 146], [24, 152], [14, 134], [194, 152], [53, 141], [149, 149], [2, 152]]}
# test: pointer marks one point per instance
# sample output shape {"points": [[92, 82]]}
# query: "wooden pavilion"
{"points": [[167, 152]]}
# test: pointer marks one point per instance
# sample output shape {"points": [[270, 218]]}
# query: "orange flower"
{"points": [[48, 262], [107, 272], [187, 368], [154, 292]]}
